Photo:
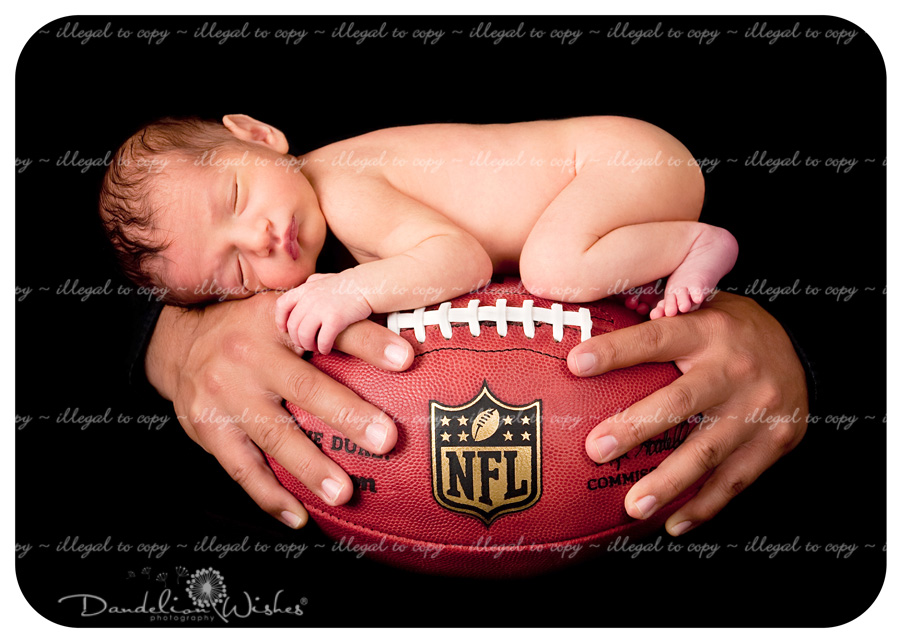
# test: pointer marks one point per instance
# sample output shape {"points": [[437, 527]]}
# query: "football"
{"points": [[489, 477]]}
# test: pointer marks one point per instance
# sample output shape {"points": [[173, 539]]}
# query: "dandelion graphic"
{"points": [[161, 577], [146, 572], [206, 587], [182, 572], [130, 574]]}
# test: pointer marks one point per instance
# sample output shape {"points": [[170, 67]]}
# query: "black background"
{"points": [[728, 99]]}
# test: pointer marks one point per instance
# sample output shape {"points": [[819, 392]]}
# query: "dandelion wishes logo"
{"points": [[207, 591], [207, 588]]}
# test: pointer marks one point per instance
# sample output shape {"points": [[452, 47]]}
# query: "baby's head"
{"points": [[204, 210]]}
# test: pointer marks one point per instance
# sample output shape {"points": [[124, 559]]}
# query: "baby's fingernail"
{"points": [[376, 434], [291, 520], [681, 527], [332, 489], [396, 355], [646, 506], [605, 446], [584, 362]]}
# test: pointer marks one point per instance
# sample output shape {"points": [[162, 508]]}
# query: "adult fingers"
{"points": [[742, 467], [273, 430], [248, 467], [690, 394], [375, 344], [659, 340], [704, 450], [335, 404]]}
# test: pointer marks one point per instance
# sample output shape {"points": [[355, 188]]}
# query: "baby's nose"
{"points": [[261, 240]]}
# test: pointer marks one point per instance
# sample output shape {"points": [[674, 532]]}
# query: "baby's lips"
{"points": [[290, 240]]}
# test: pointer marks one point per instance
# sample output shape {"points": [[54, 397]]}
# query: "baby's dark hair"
{"points": [[125, 206]]}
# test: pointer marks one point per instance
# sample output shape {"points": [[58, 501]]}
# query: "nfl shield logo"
{"points": [[486, 456]]}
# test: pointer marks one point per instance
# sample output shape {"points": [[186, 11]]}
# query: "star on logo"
{"points": [[445, 421], [526, 435], [462, 419], [463, 436], [525, 420], [507, 420], [507, 436], [445, 436]]}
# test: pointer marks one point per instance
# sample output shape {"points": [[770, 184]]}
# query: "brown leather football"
{"points": [[489, 476]]}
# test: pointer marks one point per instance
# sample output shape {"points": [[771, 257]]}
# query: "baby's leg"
{"points": [[608, 232], [694, 256], [618, 225]]}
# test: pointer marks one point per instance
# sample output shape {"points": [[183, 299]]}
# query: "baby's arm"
{"points": [[421, 259]]}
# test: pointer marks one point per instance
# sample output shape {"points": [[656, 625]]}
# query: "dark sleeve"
{"points": [[144, 315]]}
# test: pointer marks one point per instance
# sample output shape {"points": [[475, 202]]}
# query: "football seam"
{"points": [[488, 350]]}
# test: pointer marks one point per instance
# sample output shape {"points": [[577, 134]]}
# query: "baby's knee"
{"points": [[546, 273]]}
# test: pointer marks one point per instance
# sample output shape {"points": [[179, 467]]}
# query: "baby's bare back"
{"points": [[493, 181]]}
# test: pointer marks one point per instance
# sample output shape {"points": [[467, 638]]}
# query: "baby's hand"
{"points": [[314, 313]]}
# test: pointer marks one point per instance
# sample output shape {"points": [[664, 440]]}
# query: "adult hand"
{"points": [[739, 369], [227, 368]]}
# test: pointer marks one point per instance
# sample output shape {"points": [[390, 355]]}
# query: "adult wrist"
{"points": [[167, 349]]}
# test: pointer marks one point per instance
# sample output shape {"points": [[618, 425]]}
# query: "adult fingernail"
{"points": [[332, 489], [291, 520], [646, 506], [396, 355], [681, 527], [584, 362], [605, 446], [376, 435]]}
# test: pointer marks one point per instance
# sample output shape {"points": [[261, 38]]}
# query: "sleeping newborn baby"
{"points": [[582, 208]]}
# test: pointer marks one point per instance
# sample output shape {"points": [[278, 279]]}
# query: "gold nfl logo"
{"points": [[486, 456]]}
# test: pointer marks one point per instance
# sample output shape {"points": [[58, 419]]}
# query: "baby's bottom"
{"points": [[582, 251]]}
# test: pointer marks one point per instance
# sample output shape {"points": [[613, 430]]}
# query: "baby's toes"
{"points": [[632, 302], [650, 294], [697, 296], [683, 297], [659, 310]]}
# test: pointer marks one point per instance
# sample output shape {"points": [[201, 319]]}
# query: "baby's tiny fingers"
{"points": [[307, 331], [293, 325], [284, 305], [327, 334]]}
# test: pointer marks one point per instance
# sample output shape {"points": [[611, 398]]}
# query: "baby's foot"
{"points": [[709, 258]]}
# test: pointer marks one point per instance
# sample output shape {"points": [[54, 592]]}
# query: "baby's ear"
{"points": [[251, 130]]}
